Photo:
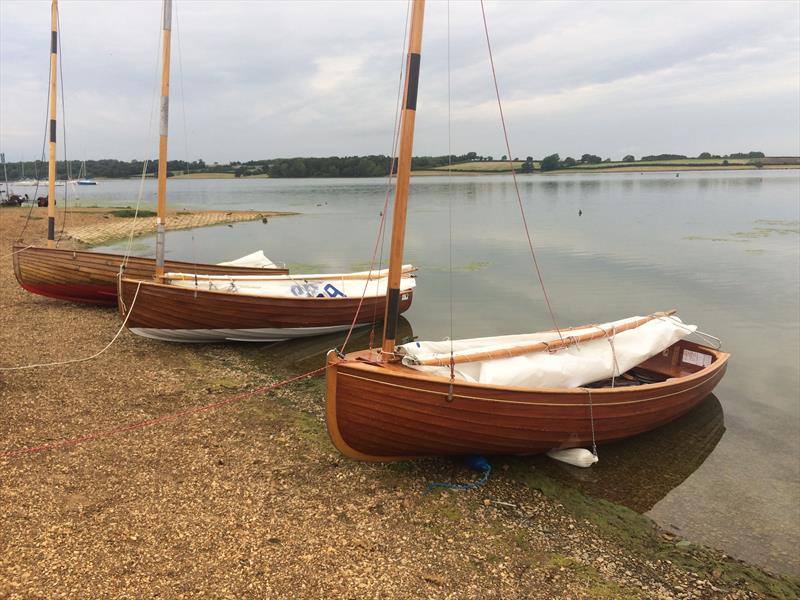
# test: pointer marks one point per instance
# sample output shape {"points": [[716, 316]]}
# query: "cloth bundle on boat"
{"points": [[577, 364], [330, 285], [255, 260]]}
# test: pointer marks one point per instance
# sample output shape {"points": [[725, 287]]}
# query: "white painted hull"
{"points": [[268, 334]]}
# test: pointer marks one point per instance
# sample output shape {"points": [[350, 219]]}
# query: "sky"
{"points": [[264, 79]]}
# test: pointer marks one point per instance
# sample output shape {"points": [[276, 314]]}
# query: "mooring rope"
{"points": [[591, 420], [476, 462], [17, 251], [95, 355]]}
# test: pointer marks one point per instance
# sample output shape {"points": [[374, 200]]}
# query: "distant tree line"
{"points": [[374, 165], [554, 162]]}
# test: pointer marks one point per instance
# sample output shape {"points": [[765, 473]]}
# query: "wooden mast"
{"points": [[403, 176], [161, 219], [51, 160]]}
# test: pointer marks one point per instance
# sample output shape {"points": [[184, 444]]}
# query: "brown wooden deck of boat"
{"points": [[386, 411]]}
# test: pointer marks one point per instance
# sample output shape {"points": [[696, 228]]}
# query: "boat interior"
{"points": [[681, 359]]}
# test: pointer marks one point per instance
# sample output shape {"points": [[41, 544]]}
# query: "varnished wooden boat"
{"points": [[91, 277], [380, 409], [185, 314], [386, 411]]}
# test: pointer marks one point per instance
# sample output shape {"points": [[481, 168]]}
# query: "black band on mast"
{"points": [[53, 130], [51, 224], [54, 42], [392, 313], [413, 81]]}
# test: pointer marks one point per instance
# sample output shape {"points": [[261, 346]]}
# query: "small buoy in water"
{"points": [[578, 457], [580, 212]]}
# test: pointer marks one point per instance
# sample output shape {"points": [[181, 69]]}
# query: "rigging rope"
{"points": [[514, 175], [450, 200], [35, 165], [392, 166], [145, 160], [67, 171]]}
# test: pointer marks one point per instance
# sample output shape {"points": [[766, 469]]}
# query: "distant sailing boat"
{"points": [[517, 394], [22, 180], [91, 277], [83, 178]]}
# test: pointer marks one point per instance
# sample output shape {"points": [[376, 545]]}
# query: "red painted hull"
{"points": [[103, 295]]}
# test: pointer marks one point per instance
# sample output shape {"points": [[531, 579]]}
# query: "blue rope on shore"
{"points": [[476, 462]]}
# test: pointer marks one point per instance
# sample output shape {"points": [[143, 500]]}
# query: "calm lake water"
{"points": [[721, 247]]}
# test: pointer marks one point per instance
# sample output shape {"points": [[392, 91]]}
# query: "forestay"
{"points": [[574, 366]]}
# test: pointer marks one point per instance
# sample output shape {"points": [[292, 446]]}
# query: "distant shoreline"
{"points": [[573, 170]]}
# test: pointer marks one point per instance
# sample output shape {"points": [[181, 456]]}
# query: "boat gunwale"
{"points": [[195, 290], [405, 372]]}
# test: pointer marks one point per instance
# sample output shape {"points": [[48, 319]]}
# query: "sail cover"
{"points": [[291, 286], [256, 260], [574, 366]]}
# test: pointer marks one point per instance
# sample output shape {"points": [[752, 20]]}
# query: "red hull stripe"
{"points": [[88, 294]]}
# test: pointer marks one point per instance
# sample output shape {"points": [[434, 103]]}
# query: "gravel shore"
{"points": [[251, 500]]}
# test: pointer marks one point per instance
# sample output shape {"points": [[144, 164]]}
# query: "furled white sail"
{"points": [[574, 366], [256, 260], [332, 285]]}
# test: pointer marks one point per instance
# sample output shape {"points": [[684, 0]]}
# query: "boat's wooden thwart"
{"points": [[91, 277]]}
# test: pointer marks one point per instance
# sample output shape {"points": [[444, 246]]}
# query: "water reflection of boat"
{"points": [[640, 471]]}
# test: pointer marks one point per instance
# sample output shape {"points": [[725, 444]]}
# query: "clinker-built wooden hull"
{"points": [[91, 277], [386, 411], [184, 314]]}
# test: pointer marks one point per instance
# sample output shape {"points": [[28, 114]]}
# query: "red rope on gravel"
{"points": [[150, 422]]}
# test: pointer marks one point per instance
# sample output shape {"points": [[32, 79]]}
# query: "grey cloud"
{"points": [[317, 78]]}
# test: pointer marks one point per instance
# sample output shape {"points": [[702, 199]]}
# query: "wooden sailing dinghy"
{"points": [[189, 307], [517, 394], [255, 309], [91, 277]]}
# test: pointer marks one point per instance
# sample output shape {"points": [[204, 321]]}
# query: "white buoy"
{"points": [[578, 457]]}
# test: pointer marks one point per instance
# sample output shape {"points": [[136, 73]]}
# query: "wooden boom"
{"points": [[537, 346]]}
